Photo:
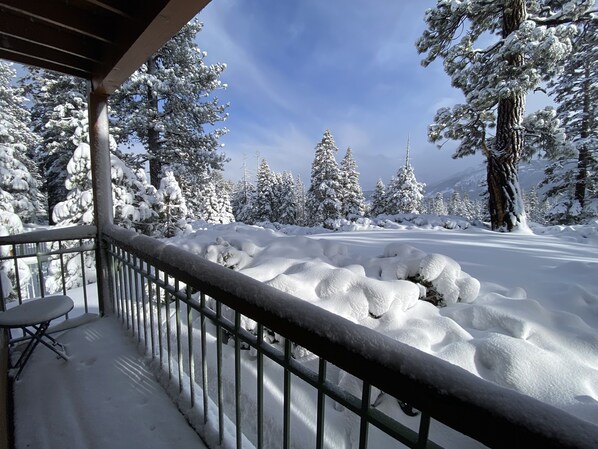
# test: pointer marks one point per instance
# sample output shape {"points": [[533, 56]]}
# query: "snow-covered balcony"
{"points": [[190, 318], [237, 387]]}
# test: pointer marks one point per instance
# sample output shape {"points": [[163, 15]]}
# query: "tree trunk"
{"points": [[505, 202], [153, 136], [584, 151]]}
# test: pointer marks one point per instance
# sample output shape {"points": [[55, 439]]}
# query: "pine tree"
{"points": [[59, 116], [405, 194], [437, 206], [243, 199], [455, 204], [215, 203], [572, 176], [301, 214], [286, 200], [264, 198], [165, 106], [525, 43], [323, 197], [353, 202], [19, 179], [171, 207], [379, 205]]}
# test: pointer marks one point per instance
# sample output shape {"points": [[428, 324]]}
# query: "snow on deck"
{"points": [[105, 396]]}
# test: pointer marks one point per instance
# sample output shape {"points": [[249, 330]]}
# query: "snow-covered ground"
{"points": [[527, 310], [521, 309]]}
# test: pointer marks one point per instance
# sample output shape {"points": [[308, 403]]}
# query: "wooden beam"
{"points": [[46, 55], [36, 62], [162, 26], [63, 15], [48, 36]]}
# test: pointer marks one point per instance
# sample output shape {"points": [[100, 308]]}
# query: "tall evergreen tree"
{"points": [[171, 207], [286, 200], [59, 117], [166, 106], [215, 203], [243, 199], [405, 194], [301, 214], [437, 206], [19, 179], [496, 52], [264, 198], [572, 176], [379, 205], [352, 199], [323, 197]]}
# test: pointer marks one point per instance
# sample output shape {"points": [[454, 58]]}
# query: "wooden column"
{"points": [[102, 189]]}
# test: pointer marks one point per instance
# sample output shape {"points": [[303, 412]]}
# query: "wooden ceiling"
{"points": [[103, 41]]}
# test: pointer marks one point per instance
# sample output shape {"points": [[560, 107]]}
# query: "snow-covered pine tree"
{"points": [[166, 106], [352, 199], [170, 206], [59, 114], [323, 197], [572, 177], [404, 193], [437, 206], [243, 199], [19, 178], [215, 202], [379, 200], [264, 198], [286, 200], [301, 215], [496, 52], [455, 204]]}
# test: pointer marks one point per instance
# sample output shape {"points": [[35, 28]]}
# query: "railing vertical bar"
{"points": [[159, 309], [150, 296], [135, 274], [168, 329], [132, 296], [17, 277], [62, 268], [128, 296], [424, 430], [124, 305], [83, 277], [204, 358], [364, 412], [179, 352], [40, 272], [116, 275], [321, 404], [260, 386], [190, 348], [238, 380], [142, 283], [287, 396], [219, 332]]}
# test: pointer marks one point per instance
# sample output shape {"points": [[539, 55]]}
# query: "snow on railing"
{"points": [[252, 366]]}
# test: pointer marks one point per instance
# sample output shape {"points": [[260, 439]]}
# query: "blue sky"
{"points": [[296, 68]]}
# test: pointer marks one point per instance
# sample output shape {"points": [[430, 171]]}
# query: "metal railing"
{"points": [[229, 347], [40, 263]]}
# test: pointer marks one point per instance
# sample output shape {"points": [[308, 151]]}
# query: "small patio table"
{"points": [[36, 314]]}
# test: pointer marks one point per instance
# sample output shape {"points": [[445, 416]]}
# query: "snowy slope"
{"points": [[473, 179]]}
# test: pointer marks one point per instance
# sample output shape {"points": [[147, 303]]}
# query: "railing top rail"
{"points": [[495, 416], [48, 235]]}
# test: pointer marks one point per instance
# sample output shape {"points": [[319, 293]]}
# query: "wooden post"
{"points": [[102, 190]]}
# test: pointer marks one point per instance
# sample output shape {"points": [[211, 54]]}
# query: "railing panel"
{"points": [[54, 261], [255, 367]]}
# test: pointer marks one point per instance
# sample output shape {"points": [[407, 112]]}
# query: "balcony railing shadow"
{"points": [[255, 367]]}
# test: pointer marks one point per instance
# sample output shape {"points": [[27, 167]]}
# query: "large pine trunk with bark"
{"points": [[153, 136], [584, 152], [505, 201]]}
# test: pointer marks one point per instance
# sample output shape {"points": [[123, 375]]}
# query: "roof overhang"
{"points": [[103, 41]]}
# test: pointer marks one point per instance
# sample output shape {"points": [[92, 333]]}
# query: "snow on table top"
{"points": [[36, 311]]}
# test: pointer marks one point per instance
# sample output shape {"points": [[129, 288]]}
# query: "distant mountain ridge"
{"points": [[472, 181]]}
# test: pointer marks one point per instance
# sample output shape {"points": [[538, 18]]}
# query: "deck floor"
{"points": [[104, 397]]}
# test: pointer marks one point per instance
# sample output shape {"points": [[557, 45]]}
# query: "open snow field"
{"points": [[527, 315]]}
